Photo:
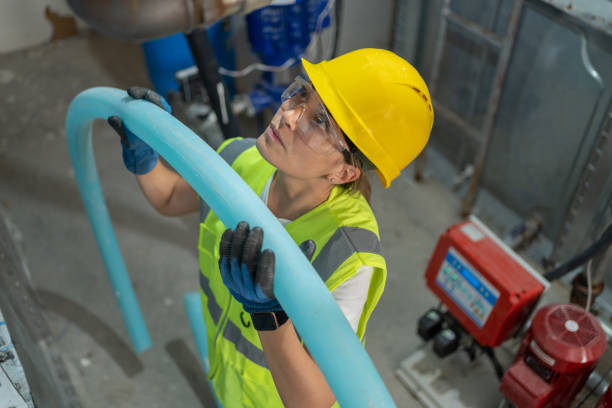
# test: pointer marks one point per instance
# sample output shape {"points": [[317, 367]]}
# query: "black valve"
{"points": [[429, 324], [446, 342]]}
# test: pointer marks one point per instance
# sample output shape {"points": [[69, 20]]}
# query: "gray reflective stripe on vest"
{"points": [[344, 243], [248, 349], [204, 208], [231, 332], [233, 150], [211, 304], [229, 154]]}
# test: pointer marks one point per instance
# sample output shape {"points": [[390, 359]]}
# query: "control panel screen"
{"points": [[468, 289]]}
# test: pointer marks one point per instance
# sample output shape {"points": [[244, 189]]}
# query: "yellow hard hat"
{"points": [[380, 102]]}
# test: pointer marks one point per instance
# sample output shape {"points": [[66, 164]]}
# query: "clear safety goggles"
{"points": [[314, 125]]}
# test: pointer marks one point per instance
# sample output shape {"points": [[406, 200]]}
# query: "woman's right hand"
{"points": [[138, 157], [165, 189]]}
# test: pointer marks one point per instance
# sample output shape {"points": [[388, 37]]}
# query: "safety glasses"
{"points": [[314, 125]]}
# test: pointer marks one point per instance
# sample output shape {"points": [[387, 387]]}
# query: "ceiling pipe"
{"points": [[143, 20]]}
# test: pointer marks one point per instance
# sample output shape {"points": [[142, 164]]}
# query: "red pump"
{"points": [[555, 359]]}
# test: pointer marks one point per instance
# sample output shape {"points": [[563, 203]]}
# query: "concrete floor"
{"points": [[39, 194]]}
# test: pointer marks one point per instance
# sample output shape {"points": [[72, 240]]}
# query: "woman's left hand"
{"points": [[248, 272]]}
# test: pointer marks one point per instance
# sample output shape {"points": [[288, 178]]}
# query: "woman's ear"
{"points": [[346, 174]]}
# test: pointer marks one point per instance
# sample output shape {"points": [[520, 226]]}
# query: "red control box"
{"points": [[485, 285]]}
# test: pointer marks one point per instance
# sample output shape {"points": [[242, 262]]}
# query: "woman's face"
{"points": [[298, 148]]}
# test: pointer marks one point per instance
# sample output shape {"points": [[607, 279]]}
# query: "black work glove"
{"points": [[138, 157], [248, 272]]}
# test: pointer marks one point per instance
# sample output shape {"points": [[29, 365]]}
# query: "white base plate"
{"points": [[453, 381]]}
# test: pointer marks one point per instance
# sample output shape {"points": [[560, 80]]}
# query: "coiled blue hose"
{"points": [[313, 311]]}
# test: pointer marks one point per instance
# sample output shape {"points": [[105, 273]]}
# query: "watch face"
{"points": [[268, 320], [264, 321]]}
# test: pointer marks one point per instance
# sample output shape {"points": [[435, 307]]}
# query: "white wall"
{"points": [[23, 23]]}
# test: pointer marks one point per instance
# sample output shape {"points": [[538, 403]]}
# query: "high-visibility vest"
{"points": [[346, 237]]}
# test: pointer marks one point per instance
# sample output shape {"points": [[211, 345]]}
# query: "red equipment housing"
{"points": [[555, 359], [487, 287]]}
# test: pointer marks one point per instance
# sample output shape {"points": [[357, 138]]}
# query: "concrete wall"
{"points": [[23, 23], [365, 23]]}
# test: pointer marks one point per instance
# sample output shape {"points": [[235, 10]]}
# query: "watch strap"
{"points": [[264, 321]]}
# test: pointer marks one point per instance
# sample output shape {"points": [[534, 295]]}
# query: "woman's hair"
{"points": [[355, 158], [362, 183]]}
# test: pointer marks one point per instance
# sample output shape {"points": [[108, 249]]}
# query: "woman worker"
{"points": [[368, 109]]}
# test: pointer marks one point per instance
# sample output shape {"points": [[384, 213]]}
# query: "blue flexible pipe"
{"points": [[313, 311], [193, 307]]}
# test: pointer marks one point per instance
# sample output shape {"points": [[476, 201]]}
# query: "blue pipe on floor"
{"points": [[313, 311], [193, 307]]}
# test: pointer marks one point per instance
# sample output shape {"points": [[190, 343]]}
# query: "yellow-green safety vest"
{"points": [[346, 236]]}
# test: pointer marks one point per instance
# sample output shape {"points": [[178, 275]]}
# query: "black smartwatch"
{"points": [[265, 321]]}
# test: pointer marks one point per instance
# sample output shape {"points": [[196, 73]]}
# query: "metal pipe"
{"points": [[601, 265], [498, 83], [597, 383], [137, 20], [482, 62], [478, 32], [596, 13], [143, 20], [458, 121], [330, 339], [219, 96], [434, 76], [594, 175], [596, 248], [440, 40]]}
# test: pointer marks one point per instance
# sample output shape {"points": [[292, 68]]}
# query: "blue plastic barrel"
{"points": [[165, 56]]}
